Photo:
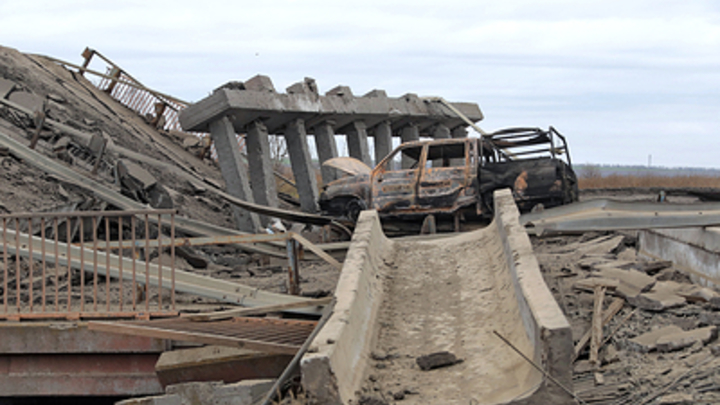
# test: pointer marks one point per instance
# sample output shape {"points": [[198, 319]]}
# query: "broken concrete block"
{"points": [[589, 284], [191, 142], [648, 341], [134, 175], [194, 392], [260, 83], [681, 340], [696, 293], [656, 301], [6, 86], [246, 392], [155, 400], [28, 100], [437, 360], [677, 398], [632, 282], [710, 318], [341, 91]]}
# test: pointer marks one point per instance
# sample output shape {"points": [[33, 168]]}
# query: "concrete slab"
{"points": [[6, 86], [656, 301], [30, 101], [218, 363], [632, 282], [681, 340], [648, 341]]}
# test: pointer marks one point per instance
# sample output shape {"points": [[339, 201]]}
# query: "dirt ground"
{"points": [[439, 299]]}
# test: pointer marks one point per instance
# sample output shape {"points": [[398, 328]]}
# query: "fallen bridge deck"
{"points": [[398, 301]]}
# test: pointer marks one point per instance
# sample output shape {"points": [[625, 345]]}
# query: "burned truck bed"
{"points": [[455, 178]]}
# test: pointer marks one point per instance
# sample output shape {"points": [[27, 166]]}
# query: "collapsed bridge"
{"points": [[399, 300], [256, 109]]}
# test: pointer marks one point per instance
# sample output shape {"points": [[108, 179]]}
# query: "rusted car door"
{"points": [[393, 188], [444, 180]]}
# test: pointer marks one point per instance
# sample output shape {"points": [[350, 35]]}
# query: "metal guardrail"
{"points": [[51, 266]]}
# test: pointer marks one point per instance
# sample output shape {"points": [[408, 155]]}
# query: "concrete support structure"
{"points": [[357, 142], [234, 172], [338, 110], [459, 132], [383, 140], [409, 133], [260, 165], [441, 131], [302, 166], [326, 149]]}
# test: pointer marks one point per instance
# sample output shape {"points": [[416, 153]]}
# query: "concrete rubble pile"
{"points": [[658, 339]]}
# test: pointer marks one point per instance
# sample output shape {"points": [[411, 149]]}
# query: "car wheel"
{"points": [[353, 208]]}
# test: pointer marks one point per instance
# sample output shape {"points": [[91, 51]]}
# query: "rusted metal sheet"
{"points": [[79, 375], [267, 335], [348, 165]]}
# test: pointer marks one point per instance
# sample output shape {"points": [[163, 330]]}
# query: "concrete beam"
{"points": [[410, 133], [302, 166], [326, 149], [262, 179], [277, 110], [383, 140], [234, 172], [356, 134]]}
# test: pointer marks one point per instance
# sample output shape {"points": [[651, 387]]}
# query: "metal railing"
{"points": [[60, 265]]}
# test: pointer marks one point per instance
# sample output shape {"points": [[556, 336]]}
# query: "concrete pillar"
{"points": [[460, 132], [441, 131], [326, 149], [262, 178], [302, 166], [357, 142], [234, 172], [409, 133], [383, 141]]}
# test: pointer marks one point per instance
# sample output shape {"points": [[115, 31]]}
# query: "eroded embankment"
{"points": [[399, 300]]}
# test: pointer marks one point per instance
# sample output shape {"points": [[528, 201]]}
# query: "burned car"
{"points": [[456, 177]]}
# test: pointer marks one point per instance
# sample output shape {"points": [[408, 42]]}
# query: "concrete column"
{"points": [[409, 133], [460, 132], [441, 131], [326, 149], [357, 142], [302, 166], [262, 178], [383, 141], [234, 172]]}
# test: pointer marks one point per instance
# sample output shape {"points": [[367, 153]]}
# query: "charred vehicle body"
{"points": [[456, 177]]}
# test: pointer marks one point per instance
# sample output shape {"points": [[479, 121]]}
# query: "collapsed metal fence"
{"points": [[60, 265]]}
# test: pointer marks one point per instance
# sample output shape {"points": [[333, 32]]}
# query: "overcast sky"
{"points": [[623, 80]]}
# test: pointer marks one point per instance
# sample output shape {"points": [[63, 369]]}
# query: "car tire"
{"points": [[353, 208]]}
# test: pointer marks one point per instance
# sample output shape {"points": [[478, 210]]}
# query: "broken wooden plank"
{"points": [[220, 315], [597, 324], [591, 283], [313, 248], [612, 309]]}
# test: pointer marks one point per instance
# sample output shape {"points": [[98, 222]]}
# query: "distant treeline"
{"points": [[600, 170]]}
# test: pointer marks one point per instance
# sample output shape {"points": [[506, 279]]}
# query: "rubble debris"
{"points": [[677, 398], [680, 340], [632, 282], [648, 341], [437, 360]]}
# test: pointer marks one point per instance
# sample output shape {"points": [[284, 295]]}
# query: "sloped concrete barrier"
{"points": [[497, 286]]}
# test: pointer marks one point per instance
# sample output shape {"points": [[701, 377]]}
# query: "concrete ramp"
{"points": [[399, 300]]}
